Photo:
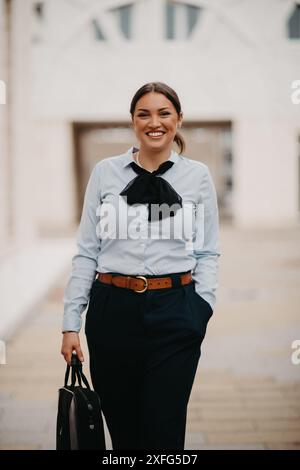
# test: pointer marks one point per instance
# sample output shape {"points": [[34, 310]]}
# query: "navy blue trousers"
{"points": [[144, 351]]}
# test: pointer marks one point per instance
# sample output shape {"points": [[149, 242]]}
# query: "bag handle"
{"points": [[76, 366]]}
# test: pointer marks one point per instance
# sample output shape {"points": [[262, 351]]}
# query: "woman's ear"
{"points": [[180, 120]]}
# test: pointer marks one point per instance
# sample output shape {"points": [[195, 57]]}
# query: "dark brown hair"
{"points": [[160, 87]]}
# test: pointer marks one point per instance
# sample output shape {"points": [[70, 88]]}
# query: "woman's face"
{"points": [[155, 113]]}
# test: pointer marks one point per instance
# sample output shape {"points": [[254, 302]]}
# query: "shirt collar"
{"points": [[128, 157]]}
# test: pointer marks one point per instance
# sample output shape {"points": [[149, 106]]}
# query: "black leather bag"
{"points": [[79, 420]]}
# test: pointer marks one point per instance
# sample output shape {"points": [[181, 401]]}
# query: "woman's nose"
{"points": [[154, 121]]}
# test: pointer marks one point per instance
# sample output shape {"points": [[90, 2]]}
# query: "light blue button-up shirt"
{"points": [[116, 237]]}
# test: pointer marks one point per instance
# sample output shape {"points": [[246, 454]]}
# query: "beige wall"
{"points": [[4, 149], [52, 158], [265, 172], [238, 67], [39, 173]]}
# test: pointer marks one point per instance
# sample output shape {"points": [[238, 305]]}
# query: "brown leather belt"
{"points": [[140, 284]]}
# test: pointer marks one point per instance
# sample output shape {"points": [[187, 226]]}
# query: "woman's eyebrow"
{"points": [[143, 109]]}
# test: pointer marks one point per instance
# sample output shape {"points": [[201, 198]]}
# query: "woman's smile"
{"points": [[155, 135]]}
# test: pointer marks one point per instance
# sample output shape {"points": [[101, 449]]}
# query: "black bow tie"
{"points": [[148, 188]]}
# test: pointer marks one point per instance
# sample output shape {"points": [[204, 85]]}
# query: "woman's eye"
{"points": [[145, 115]]}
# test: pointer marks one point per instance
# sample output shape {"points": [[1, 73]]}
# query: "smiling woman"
{"points": [[151, 292], [156, 115]]}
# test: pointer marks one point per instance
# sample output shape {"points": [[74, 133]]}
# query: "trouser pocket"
{"points": [[199, 309]]}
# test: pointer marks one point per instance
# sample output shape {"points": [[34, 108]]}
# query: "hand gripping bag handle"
{"points": [[76, 366]]}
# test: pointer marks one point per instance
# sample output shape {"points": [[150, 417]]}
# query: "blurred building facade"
{"points": [[71, 68]]}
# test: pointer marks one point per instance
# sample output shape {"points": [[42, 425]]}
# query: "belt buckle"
{"points": [[146, 284]]}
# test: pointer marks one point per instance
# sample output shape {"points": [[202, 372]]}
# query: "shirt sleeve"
{"points": [[84, 262], [206, 250]]}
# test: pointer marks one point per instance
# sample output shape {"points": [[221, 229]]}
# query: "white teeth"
{"points": [[154, 134]]}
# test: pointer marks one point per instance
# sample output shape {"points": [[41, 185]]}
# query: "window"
{"points": [[97, 30], [294, 23], [123, 16], [181, 19], [38, 8]]}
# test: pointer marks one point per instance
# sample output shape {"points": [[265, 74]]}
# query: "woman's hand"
{"points": [[70, 343]]}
